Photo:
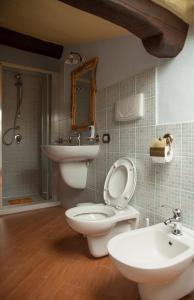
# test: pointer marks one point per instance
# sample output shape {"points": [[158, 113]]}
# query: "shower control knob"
{"points": [[18, 138]]}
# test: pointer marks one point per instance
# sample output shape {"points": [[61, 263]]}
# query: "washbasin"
{"points": [[152, 254], [64, 153], [73, 162]]}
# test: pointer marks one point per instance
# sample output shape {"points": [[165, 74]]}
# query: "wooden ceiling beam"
{"points": [[25, 42], [162, 33]]}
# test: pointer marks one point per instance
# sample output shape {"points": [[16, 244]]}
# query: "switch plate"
{"points": [[106, 138]]}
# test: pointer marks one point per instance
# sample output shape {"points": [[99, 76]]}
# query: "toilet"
{"points": [[100, 222]]}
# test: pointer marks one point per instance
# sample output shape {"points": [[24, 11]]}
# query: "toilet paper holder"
{"points": [[169, 139], [161, 149]]}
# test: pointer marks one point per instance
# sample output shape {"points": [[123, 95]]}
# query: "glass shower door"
{"points": [[46, 164]]}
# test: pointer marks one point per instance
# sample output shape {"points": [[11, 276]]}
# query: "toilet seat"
{"points": [[120, 183]]}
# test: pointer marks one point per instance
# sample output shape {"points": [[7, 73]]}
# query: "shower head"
{"points": [[18, 78], [74, 58]]}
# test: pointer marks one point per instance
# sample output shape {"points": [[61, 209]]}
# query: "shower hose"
{"points": [[17, 113]]}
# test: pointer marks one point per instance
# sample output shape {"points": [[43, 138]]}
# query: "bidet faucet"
{"points": [[175, 220]]}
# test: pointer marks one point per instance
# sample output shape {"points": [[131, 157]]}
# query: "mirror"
{"points": [[83, 92]]}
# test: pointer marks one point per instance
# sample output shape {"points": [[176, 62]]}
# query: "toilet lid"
{"points": [[120, 183]]}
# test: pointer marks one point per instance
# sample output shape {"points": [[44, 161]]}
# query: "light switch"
{"points": [[106, 138]]}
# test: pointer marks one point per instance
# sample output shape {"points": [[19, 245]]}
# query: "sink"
{"points": [[61, 153], [73, 162], [154, 257]]}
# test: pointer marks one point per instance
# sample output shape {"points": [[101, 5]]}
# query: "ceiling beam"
{"points": [[25, 42], [162, 33]]}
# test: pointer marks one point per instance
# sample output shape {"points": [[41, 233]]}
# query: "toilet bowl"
{"points": [[100, 222]]}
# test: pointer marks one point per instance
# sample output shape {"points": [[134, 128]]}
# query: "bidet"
{"points": [[159, 261]]}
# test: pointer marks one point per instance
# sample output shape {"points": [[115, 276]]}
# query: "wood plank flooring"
{"points": [[41, 258]]}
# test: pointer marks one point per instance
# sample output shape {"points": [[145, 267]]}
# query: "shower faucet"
{"points": [[18, 138]]}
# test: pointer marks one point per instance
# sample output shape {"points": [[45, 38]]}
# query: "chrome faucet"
{"points": [[61, 140], [70, 139], [175, 220], [79, 138]]}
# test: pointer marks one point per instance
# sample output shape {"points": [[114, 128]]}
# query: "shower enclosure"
{"points": [[26, 124]]}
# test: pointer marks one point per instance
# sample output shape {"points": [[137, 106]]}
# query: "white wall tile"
{"points": [[188, 139], [166, 196], [187, 175], [171, 184], [187, 206], [169, 174], [101, 120], [112, 94], [127, 87], [127, 140], [145, 169], [144, 137]]}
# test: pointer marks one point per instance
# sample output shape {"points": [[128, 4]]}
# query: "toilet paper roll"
{"points": [[165, 159]]}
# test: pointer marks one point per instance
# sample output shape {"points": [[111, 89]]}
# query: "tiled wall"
{"points": [[21, 163], [157, 184]]}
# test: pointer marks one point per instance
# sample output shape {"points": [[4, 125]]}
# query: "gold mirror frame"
{"points": [[91, 65]]}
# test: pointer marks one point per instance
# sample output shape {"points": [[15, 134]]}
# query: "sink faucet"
{"points": [[61, 140], [175, 220], [76, 136], [79, 138], [70, 139]]}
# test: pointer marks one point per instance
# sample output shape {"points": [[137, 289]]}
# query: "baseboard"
{"points": [[6, 210]]}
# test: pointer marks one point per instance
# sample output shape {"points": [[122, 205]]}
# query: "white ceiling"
{"points": [[184, 9], [54, 21]]}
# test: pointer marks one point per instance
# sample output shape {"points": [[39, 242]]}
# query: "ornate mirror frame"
{"points": [[90, 65]]}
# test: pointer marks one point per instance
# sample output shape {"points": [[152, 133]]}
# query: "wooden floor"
{"points": [[42, 258]]}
